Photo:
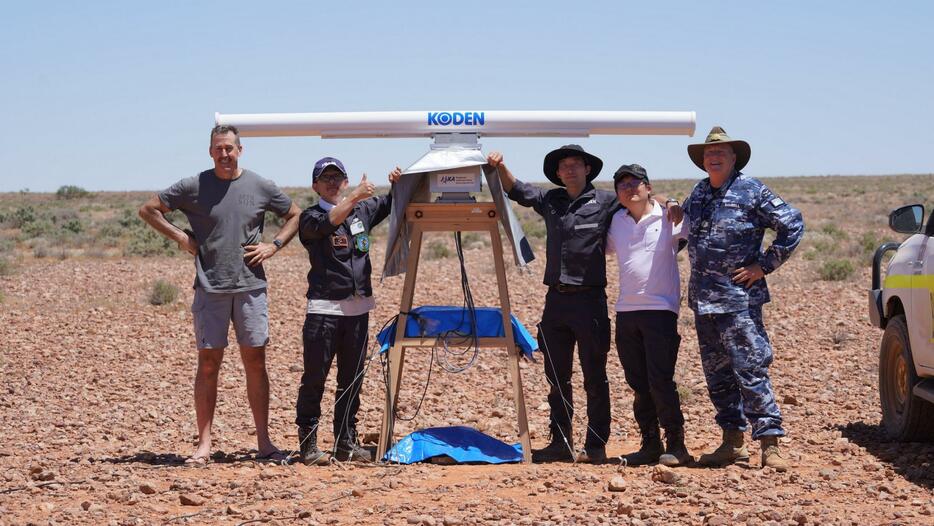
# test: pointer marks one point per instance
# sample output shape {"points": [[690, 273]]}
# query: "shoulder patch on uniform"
{"points": [[777, 201]]}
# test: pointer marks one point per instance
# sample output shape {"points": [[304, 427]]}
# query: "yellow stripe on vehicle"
{"points": [[909, 281]]}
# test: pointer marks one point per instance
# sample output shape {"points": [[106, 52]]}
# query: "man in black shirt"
{"points": [[335, 232], [577, 217]]}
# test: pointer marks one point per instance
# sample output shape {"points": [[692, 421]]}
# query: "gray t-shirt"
{"points": [[225, 215]]}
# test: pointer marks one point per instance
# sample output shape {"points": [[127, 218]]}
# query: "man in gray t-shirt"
{"points": [[226, 208]]}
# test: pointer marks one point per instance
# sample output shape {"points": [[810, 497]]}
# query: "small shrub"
{"points": [[470, 240], [40, 250], [22, 216], [6, 268], [74, 226], [835, 270], [71, 192], [684, 392], [147, 242], [834, 232], [824, 246], [868, 242], [162, 293], [534, 229], [437, 250], [38, 228]]}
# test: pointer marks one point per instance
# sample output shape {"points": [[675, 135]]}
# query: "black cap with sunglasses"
{"points": [[632, 170]]}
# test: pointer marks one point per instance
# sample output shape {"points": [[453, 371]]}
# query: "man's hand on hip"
{"points": [[188, 243], [748, 275], [256, 254]]}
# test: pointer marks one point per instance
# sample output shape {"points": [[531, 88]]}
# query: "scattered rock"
{"points": [[664, 474], [617, 483], [790, 399], [190, 499], [42, 475], [146, 489]]}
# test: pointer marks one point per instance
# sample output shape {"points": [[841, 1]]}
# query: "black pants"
{"points": [[647, 342], [323, 337], [569, 318]]}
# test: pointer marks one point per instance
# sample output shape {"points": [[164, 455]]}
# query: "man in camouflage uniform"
{"points": [[727, 214]]}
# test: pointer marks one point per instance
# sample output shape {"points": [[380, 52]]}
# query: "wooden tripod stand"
{"points": [[452, 217]]}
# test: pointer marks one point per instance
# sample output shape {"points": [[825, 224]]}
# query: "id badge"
{"points": [[356, 226]]}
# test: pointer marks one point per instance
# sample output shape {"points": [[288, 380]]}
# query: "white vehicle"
{"points": [[903, 305]]}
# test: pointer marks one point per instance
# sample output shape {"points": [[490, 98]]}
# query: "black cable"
{"points": [[445, 339]]}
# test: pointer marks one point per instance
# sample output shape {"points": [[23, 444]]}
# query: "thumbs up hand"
{"points": [[364, 190]]}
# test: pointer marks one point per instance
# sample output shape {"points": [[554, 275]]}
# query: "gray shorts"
{"points": [[213, 312]]}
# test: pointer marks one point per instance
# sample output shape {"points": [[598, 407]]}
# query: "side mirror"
{"points": [[907, 219]]}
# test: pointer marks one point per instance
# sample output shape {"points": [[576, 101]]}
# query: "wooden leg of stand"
{"points": [[512, 351], [397, 352]]}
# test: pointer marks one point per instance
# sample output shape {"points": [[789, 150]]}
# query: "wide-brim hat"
{"points": [[718, 135], [550, 166]]}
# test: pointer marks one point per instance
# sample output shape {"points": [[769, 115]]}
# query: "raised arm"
{"points": [[364, 190], [495, 159]]}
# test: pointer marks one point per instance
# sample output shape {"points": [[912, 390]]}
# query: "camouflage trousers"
{"points": [[736, 354]]}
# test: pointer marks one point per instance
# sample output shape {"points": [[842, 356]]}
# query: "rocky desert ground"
{"points": [[97, 414]]}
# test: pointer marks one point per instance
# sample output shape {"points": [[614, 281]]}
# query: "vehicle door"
{"points": [[922, 301]]}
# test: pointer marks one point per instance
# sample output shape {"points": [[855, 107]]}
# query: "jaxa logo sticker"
{"points": [[456, 118], [362, 243]]}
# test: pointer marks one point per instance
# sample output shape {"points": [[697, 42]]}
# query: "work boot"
{"points": [[308, 447], [593, 455], [349, 449], [650, 450], [676, 454], [771, 456], [731, 450], [558, 450]]}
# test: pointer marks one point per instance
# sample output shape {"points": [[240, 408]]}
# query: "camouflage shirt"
{"points": [[726, 229]]}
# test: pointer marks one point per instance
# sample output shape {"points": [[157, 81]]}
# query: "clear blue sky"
{"points": [[114, 95]]}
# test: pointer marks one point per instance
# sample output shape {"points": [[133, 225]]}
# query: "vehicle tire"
{"points": [[905, 417]]}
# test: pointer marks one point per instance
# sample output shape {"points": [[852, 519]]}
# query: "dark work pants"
{"points": [[324, 337], [647, 342], [569, 318]]}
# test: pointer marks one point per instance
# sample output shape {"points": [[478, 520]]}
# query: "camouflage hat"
{"points": [[718, 135]]}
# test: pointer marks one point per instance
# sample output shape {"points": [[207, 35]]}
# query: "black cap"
{"points": [[632, 170], [324, 163]]}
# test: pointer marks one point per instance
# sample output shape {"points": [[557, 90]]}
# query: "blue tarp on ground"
{"points": [[431, 321], [463, 444]]}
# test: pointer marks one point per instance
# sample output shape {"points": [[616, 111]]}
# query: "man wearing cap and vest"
{"points": [[728, 213], [646, 244], [576, 216], [335, 232]]}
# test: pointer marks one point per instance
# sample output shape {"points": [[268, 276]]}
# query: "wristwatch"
{"points": [[278, 243]]}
